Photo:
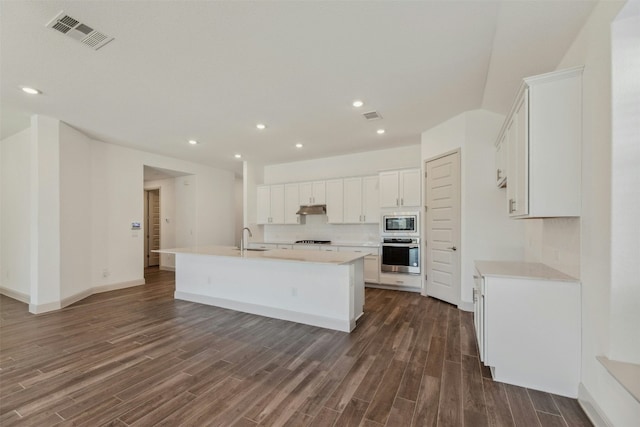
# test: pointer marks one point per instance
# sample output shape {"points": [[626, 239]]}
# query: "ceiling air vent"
{"points": [[372, 115], [78, 31]]}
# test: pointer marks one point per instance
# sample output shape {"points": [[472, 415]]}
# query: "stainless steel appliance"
{"points": [[401, 255], [400, 224], [315, 242]]}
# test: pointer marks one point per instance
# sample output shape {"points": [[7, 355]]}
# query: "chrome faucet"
{"points": [[242, 238]]}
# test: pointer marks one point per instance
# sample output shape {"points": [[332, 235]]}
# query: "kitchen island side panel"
{"points": [[318, 294]]}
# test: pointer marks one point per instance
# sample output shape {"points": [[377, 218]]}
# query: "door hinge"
{"points": [[425, 174]]}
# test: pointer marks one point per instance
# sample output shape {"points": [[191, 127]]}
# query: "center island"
{"points": [[318, 288]]}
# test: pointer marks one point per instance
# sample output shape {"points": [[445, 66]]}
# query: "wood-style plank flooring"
{"points": [[138, 357]]}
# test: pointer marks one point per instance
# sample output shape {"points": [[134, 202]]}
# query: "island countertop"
{"points": [[291, 255]]}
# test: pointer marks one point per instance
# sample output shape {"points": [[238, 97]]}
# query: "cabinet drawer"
{"points": [[359, 249]]}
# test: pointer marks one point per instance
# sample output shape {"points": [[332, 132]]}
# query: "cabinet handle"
{"points": [[401, 201], [499, 174], [397, 202], [512, 205]]}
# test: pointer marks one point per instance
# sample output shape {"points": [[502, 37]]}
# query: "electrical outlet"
{"points": [[105, 273]]}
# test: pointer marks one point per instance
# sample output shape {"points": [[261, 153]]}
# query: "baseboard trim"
{"points": [[116, 286], [19, 296], [167, 268], [65, 302], [278, 313], [591, 408], [466, 306]]}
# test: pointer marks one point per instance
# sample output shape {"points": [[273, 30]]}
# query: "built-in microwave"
{"points": [[400, 224]]}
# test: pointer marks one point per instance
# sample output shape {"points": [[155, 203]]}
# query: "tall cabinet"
{"points": [[543, 137]]}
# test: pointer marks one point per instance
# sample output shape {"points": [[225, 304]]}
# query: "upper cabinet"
{"points": [[335, 201], [270, 209], [313, 193], [400, 188], [361, 200], [501, 161], [291, 203], [543, 137]]}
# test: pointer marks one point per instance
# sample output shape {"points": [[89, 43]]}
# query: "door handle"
{"points": [[453, 248]]}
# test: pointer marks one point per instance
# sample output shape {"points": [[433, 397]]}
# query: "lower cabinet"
{"points": [[410, 282], [371, 261], [528, 326]]}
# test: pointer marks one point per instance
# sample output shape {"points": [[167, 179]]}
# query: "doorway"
{"points": [[442, 227], [151, 227]]}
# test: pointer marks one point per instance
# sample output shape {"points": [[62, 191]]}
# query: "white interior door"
{"points": [[153, 221], [442, 234]]}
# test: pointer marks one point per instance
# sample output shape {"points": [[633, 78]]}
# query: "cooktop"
{"points": [[315, 242]]}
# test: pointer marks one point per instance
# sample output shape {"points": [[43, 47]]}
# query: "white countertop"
{"points": [[290, 255], [363, 244], [526, 270]]}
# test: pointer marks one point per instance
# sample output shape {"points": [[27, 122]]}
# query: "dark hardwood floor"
{"points": [[138, 357]]}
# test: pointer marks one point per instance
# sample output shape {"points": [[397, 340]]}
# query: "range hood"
{"points": [[312, 210]]}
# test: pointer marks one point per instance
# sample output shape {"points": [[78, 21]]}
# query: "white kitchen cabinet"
{"points": [[291, 203], [306, 247], [400, 188], [371, 261], [361, 200], [410, 282], [313, 193], [335, 201], [270, 204], [501, 161], [281, 246], [326, 248], [527, 321], [543, 134], [262, 246]]}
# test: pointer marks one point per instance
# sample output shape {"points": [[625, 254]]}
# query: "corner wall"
{"points": [[15, 190], [487, 233]]}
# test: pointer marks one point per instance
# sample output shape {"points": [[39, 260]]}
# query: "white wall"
{"points": [[487, 233], [167, 190], [625, 198], [15, 190], [592, 48], [67, 207], [359, 164], [252, 176], [239, 208], [205, 215], [75, 205]]}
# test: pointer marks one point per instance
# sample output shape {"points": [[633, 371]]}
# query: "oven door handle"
{"points": [[400, 245]]}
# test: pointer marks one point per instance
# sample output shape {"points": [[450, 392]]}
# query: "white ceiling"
{"points": [[210, 71]]}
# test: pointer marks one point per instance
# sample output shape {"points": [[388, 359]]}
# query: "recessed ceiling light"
{"points": [[193, 142], [238, 156], [261, 126], [357, 103], [31, 91], [380, 131], [298, 145]]}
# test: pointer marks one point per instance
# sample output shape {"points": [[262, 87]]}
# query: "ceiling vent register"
{"points": [[372, 115], [78, 31]]}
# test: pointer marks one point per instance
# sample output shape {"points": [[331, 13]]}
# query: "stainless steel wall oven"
{"points": [[401, 255]]}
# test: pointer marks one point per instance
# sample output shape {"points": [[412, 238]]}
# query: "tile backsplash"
{"points": [[554, 242], [316, 227]]}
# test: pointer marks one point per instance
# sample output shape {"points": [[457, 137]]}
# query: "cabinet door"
{"points": [[409, 185], [371, 269], [319, 192], [389, 197], [501, 161], [277, 204], [306, 193], [334, 196], [291, 203], [263, 210], [370, 200], [353, 200], [518, 136]]}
